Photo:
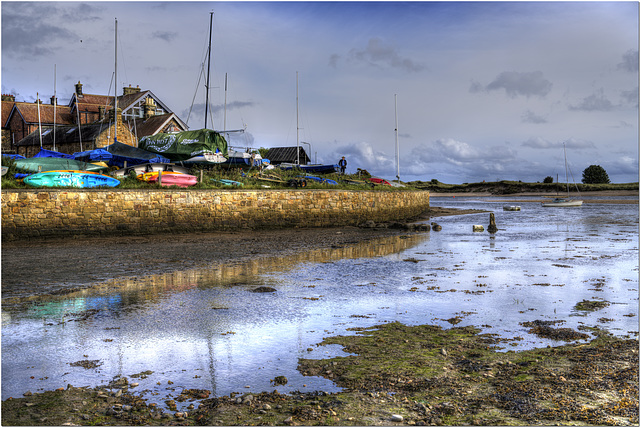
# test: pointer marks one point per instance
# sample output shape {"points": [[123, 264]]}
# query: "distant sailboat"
{"points": [[563, 202]]}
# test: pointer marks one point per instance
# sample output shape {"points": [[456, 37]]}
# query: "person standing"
{"points": [[343, 165]]}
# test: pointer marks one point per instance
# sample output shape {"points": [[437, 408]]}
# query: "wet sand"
{"points": [[59, 266]]}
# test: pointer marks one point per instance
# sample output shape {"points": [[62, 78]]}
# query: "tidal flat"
{"points": [[550, 285]]}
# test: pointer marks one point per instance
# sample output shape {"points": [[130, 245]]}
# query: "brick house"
{"points": [[142, 114]]}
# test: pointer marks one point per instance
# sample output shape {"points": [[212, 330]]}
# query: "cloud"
{"points": [[630, 96], [38, 37], [596, 102], [378, 54], [464, 160], [544, 144], [629, 61], [82, 12], [362, 155], [333, 60], [516, 83], [167, 36], [530, 117], [232, 106]]}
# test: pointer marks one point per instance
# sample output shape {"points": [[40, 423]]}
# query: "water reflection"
{"points": [[206, 328], [198, 328]]}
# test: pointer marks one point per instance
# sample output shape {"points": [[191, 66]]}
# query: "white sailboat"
{"points": [[564, 202]]}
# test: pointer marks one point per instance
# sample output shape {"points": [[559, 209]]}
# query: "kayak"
{"points": [[44, 164], [228, 182], [170, 178], [320, 180], [71, 178]]}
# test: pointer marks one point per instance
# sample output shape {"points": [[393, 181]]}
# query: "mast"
{"points": [[55, 104], [206, 105], [224, 126], [397, 146], [39, 123], [297, 124], [115, 103]]}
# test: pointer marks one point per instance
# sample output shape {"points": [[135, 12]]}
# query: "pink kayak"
{"points": [[170, 178]]}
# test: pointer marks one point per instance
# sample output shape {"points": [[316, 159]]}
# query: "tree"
{"points": [[548, 180], [595, 174]]}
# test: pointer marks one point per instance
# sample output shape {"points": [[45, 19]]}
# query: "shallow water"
{"points": [[206, 329]]}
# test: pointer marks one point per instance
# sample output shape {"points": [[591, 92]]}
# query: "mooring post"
{"points": [[492, 223], [160, 177]]}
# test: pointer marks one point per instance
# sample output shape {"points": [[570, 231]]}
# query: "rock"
{"points": [[289, 421], [27, 394], [280, 380], [368, 224], [436, 227], [478, 228], [397, 418], [262, 289], [134, 385], [118, 393], [443, 352]]}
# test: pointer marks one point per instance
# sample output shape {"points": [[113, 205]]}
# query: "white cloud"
{"points": [[517, 83]]}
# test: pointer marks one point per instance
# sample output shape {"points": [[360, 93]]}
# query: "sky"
{"points": [[485, 91]]}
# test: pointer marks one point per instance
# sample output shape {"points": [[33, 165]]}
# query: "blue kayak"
{"points": [[79, 179], [320, 180]]}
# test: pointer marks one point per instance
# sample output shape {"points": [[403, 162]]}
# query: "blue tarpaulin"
{"points": [[49, 153]]}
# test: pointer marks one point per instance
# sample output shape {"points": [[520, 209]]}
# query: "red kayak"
{"points": [[379, 181], [170, 178]]}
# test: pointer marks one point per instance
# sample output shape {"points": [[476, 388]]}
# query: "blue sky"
{"points": [[486, 90]]}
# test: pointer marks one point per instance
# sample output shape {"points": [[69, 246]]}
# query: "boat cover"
{"points": [[118, 153], [49, 153], [181, 146]]}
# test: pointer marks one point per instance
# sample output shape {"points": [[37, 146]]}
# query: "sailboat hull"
{"points": [[562, 203]]}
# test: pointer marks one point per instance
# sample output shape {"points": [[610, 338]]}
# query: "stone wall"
{"points": [[57, 213]]}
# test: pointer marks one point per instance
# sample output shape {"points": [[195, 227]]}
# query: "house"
{"points": [[142, 112], [279, 155], [71, 139], [19, 119]]}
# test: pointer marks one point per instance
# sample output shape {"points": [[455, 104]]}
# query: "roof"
{"points": [[29, 113], [154, 124], [92, 103], [287, 154], [7, 106], [64, 135]]}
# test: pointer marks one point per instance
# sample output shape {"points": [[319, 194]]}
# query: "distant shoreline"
{"points": [[589, 194]]}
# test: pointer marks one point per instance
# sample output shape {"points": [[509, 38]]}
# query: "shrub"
{"points": [[548, 180]]}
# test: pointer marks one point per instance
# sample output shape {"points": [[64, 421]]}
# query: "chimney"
{"points": [[8, 98], [129, 90], [79, 89], [149, 108], [54, 100]]}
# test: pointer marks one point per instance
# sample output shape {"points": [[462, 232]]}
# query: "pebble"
{"points": [[397, 418], [134, 385]]}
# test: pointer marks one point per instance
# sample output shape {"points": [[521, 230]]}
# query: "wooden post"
{"points": [[160, 177], [492, 223], [201, 173]]}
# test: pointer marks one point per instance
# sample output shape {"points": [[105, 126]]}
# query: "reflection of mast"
{"points": [[212, 365]]}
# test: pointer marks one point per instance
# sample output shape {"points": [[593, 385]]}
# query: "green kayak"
{"points": [[31, 165]]}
